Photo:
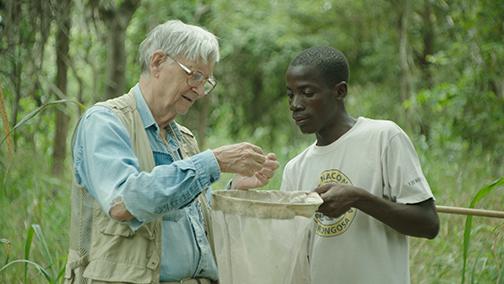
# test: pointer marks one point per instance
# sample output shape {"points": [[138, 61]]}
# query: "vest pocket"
{"points": [[107, 271], [117, 229], [119, 254]]}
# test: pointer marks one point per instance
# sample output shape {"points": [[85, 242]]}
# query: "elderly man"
{"points": [[140, 182]]}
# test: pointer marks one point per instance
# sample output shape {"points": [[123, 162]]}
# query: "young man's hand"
{"points": [[338, 198]]}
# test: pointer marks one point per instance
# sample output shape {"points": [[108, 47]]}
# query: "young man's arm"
{"points": [[412, 211], [418, 220]]}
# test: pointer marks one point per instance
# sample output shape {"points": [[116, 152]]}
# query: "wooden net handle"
{"points": [[470, 211]]}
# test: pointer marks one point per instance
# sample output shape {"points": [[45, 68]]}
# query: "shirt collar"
{"points": [[143, 109]]}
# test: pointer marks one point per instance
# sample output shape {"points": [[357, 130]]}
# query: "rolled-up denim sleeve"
{"points": [[174, 186], [105, 164]]}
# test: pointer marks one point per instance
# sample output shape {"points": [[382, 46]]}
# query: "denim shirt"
{"points": [[105, 164]]}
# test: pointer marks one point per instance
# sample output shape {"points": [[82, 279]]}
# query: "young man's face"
{"points": [[311, 101]]}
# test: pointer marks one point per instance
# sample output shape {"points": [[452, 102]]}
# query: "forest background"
{"points": [[435, 67]]}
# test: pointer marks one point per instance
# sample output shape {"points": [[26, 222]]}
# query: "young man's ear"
{"points": [[340, 90]]}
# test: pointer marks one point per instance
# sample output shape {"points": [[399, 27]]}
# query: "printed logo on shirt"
{"points": [[326, 226]]}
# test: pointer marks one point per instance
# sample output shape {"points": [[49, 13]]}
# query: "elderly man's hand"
{"points": [[260, 178], [243, 158]]}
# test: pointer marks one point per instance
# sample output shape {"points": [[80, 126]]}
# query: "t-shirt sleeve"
{"points": [[404, 181]]}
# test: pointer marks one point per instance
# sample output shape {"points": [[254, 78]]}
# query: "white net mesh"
{"points": [[262, 236]]}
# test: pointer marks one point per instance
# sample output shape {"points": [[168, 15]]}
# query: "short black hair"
{"points": [[332, 63]]}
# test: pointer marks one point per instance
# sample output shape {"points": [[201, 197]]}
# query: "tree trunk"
{"points": [[405, 72], [428, 43], [428, 49], [405, 80], [63, 20], [5, 123], [117, 20], [114, 85], [14, 46]]}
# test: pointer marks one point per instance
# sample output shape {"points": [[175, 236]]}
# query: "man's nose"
{"points": [[296, 103], [200, 90]]}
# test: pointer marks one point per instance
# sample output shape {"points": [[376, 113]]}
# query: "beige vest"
{"points": [[103, 249]]}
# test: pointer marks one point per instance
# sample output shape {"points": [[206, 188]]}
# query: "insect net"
{"points": [[262, 236]]}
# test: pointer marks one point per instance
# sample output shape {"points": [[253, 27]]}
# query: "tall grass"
{"points": [[32, 115], [468, 224], [50, 273], [34, 224], [454, 257]]}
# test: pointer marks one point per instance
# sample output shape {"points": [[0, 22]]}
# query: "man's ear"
{"points": [[157, 58], [340, 90]]}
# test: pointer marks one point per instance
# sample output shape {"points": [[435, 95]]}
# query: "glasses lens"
{"points": [[198, 78], [209, 86]]}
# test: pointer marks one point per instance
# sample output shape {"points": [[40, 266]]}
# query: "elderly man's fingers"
{"points": [[250, 168], [262, 178], [253, 147], [266, 172], [271, 164], [252, 155], [271, 156]]}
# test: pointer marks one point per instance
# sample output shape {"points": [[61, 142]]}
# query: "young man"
{"points": [[366, 171]]}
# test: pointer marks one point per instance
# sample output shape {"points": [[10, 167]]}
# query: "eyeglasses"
{"points": [[196, 78]]}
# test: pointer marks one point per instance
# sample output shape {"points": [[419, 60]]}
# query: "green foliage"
{"points": [[468, 224], [51, 275], [29, 195], [34, 113], [28, 243], [469, 71]]}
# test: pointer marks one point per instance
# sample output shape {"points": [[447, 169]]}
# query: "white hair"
{"points": [[176, 39]]}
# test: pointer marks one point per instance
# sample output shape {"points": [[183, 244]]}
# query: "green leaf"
{"points": [[27, 249], [60, 273], [7, 245], [500, 280], [468, 224], [34, 113], [37, 266], [45, 248]]}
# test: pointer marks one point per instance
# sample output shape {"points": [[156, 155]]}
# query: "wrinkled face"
{"points": [[174, 80], [311, 101]]}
